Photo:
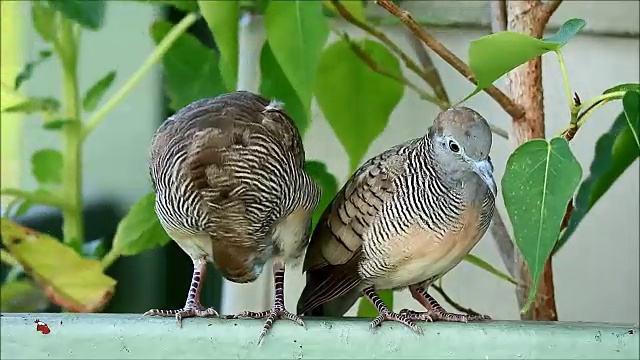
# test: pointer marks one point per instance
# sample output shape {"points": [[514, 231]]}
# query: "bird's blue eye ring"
{"points": [[453, 146]]}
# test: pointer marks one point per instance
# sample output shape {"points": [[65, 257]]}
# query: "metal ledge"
{"points": [[125, 336]]}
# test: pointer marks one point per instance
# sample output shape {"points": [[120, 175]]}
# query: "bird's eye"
{"points": [[453, 146]]}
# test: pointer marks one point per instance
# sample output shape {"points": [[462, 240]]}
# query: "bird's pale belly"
{"points": [[420, 256], [197, 246]]}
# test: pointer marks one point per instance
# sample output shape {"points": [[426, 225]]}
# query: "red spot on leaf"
{"points": [[42, 327]]}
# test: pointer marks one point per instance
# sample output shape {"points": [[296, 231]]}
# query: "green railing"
{"points": [[125, 336]]}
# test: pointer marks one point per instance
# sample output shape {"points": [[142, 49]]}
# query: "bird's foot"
{"points": [[186, 312], [387, 315], [442, 315], [277, 312]]}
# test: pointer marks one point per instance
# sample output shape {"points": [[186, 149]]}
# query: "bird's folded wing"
{"points": [[334, 252]]}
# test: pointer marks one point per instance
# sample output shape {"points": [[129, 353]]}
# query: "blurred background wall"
{"points": [[596, 274]]}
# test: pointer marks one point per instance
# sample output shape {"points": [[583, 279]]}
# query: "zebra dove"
{"points": [[404, 219], [231, 189]]}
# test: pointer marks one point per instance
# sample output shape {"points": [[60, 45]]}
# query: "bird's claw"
{"points": [[186, 312], [275, 313], [398, 317], [442, 316]]}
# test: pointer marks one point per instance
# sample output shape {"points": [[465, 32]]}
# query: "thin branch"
{"points": [[369, 61], [513, 109], [454, 304], [498, 15], [432, 76], [508, 252], [406, 59], [550, 8], [37, 198]]}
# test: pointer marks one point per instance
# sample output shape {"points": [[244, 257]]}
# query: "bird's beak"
{"points": [[484, 169]]}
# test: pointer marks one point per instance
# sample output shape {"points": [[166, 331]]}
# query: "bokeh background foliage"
{"points": [[357, 84]]}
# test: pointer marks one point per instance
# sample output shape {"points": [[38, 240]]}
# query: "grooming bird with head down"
{"points": [[231, 189], [404, 219]]}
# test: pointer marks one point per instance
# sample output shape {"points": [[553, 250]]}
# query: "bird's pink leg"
{"points": [[385, 314], [434, 310], [278, 310], [192, 307]]}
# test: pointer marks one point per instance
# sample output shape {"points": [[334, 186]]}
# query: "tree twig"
{"points": [[508, 252], [454, 304], [498, 15], [432, 76], [550, 8], [513, 109], [369, 61], [406, 59]]}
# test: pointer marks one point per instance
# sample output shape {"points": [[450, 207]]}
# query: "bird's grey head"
{"points": [[461, 141]]}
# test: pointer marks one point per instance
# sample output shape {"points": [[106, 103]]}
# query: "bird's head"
{"points": [[461, 141]]}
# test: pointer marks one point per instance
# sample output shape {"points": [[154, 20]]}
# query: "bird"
{"points": [[231, 190], [402, 220]]}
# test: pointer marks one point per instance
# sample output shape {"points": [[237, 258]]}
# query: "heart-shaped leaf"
{"points": [[140, 229], [75, 283], [631, 106], [615, 151], [96, 92], [539, 180], [492, 56], [89, 14], [327, 182], [222, 18], [275, 85], [191, 69], [355, 100], [46, 166], [297, 32]]}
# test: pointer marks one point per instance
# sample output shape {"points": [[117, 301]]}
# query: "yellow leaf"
{"points": [[73, 282]]}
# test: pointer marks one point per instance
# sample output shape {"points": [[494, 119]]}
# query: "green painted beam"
{"points": [[111, 336]]}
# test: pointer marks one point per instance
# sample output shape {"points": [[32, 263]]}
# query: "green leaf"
{"points": [[73, 282], [297, 32], [222, 18], [46, 166], [35, 105], [631, 105], [489, 61], [366, 310], [45, 20], [355, 100], [140, 229], [275, 85], [191, 69], [56, 124], [89, 14], [327, 182], [615, 151], [22, 296], [623, 87], [539, 180], [96, 92], [356, 8], [27, 72], [472, 259], [182, 5]]}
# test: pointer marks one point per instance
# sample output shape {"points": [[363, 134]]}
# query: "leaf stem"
{"points": [[73, 226], [573, 107], [151, 60], [109, 258], [589, 106], [452, 302], [38, 198]]}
